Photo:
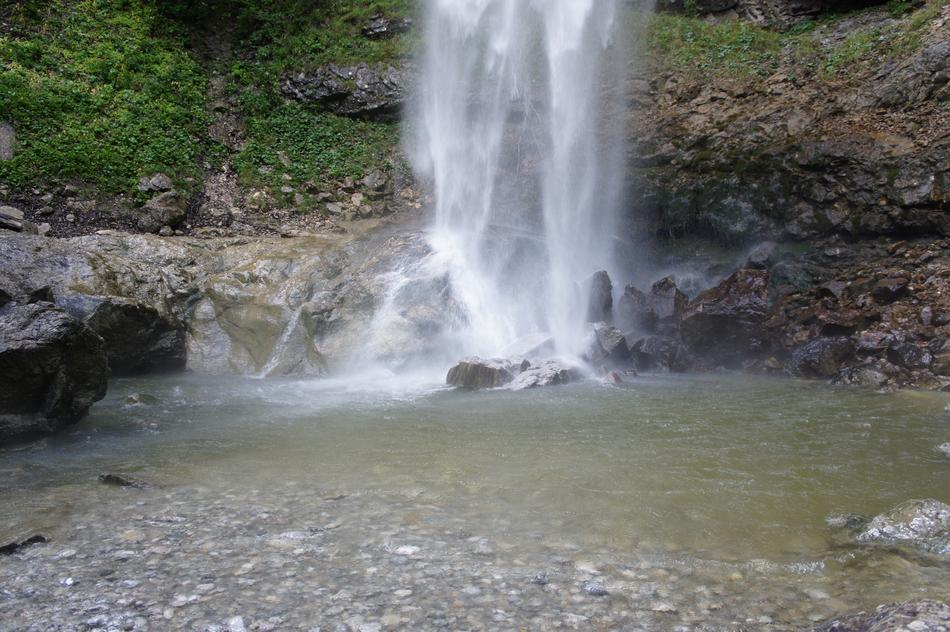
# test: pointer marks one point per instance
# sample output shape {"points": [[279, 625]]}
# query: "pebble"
{"points": [[595, 589]]}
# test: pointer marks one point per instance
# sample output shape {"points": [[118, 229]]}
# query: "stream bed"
{"points": [[380, 504]]}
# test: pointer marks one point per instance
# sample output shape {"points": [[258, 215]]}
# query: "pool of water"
{"points": [[374, 503]]}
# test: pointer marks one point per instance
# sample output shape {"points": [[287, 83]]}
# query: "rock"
{"points": [[666, 300], [910, 356], [7, 141], [547, 373], [945, 448], [137, 338], [58, 364], [158, 182], [167, 209], [821, 357], [613, 377], [475, 373], [381, 27], [141, 399], [4, 298], [116, 480], [43, 229], [633, 311], [861, 376], [727, 322], [924, 524], [889, 290], [660, 353], [14, 547], [762, 256], [608, 345], [599, 292], [11, 218], [911, 616], [166, 231], [595, 589], [375, 92]]}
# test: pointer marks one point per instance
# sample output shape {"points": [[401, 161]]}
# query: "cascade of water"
{"points": [[514, 132]]}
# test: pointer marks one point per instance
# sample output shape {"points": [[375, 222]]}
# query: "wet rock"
{"points": [[381, 27], [138, 339], [614, 378], [608, 346], [14, 547], [633, 311], [821, 357], [944, 448], [923, 524], [375, 92], [762, 256], [861, 376], [660, 353], [167, 209], [727, 323], [475, 373], [912, 616], [666, 300], [158, 182], [117, 480], [141, 399], [547, 373], [58, 365], [910, 356], [540, 579], [595, 589], [599, 292]]}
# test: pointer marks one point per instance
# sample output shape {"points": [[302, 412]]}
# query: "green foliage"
{"points": [[317, 145], [735, 48], [101, 92]]}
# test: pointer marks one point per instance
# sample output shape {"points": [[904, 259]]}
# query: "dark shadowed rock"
{"points": [[57, 363], [4, 298], [821, 357], [660, 353], [726, 323], [923, 524], [910, 356], [476, 373], [118, 480], [889, 290], [918, 616], [167, 209], [138, 339], [608, 345], [375, 92], [15, 547], [547, 373], [600, 302]]}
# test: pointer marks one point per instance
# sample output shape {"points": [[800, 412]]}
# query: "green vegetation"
{"points": [[734, 48], [101, 92]]}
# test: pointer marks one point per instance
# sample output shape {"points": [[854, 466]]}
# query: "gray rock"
{"points": [[158, 182], [375, 92], [167, 209], [923, 524], [945, 448], [547, 373], [633, 311], [11, 218], [58, 365], [608, 345], [861, 376], [475, 373], [381, 27], [599, 292], [660, 353], [7, 141], [762, 256], [666, 300], [911, 616]]}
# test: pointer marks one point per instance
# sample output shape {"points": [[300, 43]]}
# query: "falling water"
{"points": [[516, 133]]}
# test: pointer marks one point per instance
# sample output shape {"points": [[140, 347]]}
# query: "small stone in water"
{"points": [[595, 589], [945, 448], [236, 624], [541, 579]]}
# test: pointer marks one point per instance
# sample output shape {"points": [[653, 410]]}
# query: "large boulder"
{"points": [[375, 92], [821, 357], [727, 323], [660, 353], [633, 311], [475, 373], [662, 308], [600, 302], [608, 346], [547, 373], [137, 338], [922, 616], [53, 368], [922, 524], [667, 301]]}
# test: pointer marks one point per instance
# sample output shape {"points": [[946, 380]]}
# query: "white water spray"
{"points": [[514, 132]]}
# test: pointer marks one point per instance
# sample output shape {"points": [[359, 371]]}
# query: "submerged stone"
{"points": [[475, 374], [916, 616], [923, 524]]}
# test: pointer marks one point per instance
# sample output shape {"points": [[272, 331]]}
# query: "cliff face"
{"points": [[841, 129]]}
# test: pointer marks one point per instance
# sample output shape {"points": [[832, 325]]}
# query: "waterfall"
{"points": [[513, 127]]}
